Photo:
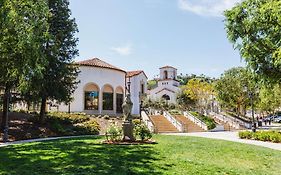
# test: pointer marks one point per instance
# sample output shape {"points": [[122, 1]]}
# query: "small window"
{"points": [[142, 88]]}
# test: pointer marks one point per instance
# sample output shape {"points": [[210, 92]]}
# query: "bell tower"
{"points": [[168, 73]]}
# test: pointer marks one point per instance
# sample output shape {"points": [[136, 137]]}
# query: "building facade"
{"points": [[101, 89], [167, 85], [137, 81]]}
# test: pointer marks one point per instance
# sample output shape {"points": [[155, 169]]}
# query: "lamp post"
{"points": [[251, 94], [141, 103], [129, 85]]}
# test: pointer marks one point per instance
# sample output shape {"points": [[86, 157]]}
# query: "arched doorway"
{"points": [[119, 99], [107, 98], [166, 97], [91, 96]]}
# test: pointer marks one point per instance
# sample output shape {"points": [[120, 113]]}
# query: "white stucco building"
{"points": [[101, 89], [167, 85], [137, 80]]}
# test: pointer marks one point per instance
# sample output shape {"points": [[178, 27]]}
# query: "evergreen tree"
{"points": [[59, 79], [23, 32]]}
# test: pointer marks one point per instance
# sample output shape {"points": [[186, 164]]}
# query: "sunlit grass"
{"points": [[172, 155]]}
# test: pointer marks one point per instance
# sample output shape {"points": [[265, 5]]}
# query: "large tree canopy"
{"points": [[233, 89], [199, 91], [23, 30], [254, 27]]}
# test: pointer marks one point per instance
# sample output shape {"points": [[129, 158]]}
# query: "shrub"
{"points": [[142, 132], [275, 137], [106, 117], [245, 134], [57, 127], [136, 122], [113, 133], [92, 126], [72, 124], [174, 112], [272, 136], [88, 127], [210, 122]]}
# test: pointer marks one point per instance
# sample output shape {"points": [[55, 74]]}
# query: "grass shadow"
{"points": [[78, 156]]}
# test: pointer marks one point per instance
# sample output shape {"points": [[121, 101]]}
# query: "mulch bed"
{"points": [[22, 128]]}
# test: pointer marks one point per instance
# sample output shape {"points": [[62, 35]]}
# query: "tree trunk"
{"points": [[28, 105], [43, 110], [68, 108], [4, 125]]}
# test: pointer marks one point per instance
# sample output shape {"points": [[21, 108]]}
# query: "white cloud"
{"points": [[214, 8], [123, 50]]}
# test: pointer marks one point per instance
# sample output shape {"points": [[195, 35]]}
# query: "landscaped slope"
{"points": [[172, 155]]}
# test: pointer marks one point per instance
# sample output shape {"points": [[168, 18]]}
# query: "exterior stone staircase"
{"points": [[226, 126], [188, 124], [162, 124]]}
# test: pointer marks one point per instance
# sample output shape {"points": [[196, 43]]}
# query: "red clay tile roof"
{"points": [[135, 73], [95, 62], [167, 67]]}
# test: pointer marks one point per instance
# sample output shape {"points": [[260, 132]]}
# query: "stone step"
{"points": [[189, 125], [162, 124]]}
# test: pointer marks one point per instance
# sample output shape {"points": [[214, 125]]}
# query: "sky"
{"points": [[148, 34]]}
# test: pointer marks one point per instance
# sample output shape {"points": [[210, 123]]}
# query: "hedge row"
{"points": [[270, 136]]}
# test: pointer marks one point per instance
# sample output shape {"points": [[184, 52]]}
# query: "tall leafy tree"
{"points": [[59, 78], [270, 98], [200, 91], [233, 89], [23, 32], [254, 27]]}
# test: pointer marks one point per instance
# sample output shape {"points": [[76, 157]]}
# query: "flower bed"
{"points": [[211, 124]]}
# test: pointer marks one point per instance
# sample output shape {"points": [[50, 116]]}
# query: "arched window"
{"points": [[107, 98], [91, 93], [119, 99], [165, 74]]}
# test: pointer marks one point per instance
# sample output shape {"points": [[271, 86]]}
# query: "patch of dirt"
{"points": [[22, 128]]}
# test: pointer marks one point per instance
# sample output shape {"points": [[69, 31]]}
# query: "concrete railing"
{"points": [[148, 122], [232, 123], [171, 119], [195, 120]]}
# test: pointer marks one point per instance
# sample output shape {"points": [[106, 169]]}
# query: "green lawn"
{"points": [[172, 155]]}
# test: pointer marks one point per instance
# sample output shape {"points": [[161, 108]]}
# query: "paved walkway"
{"points": [[230, 136], [226, 135]]}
